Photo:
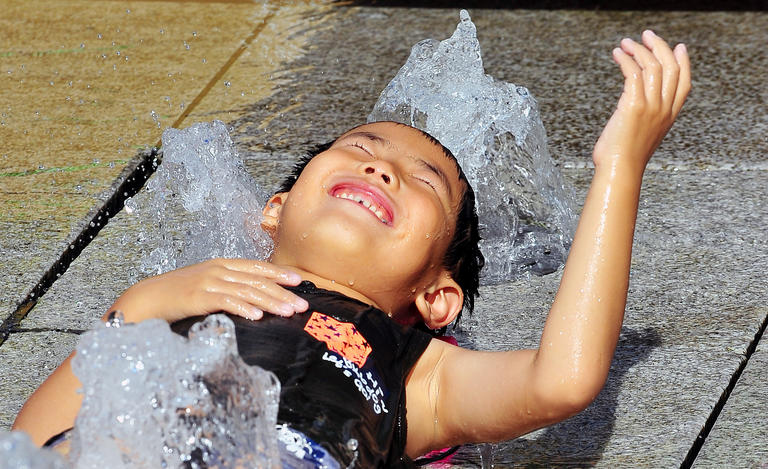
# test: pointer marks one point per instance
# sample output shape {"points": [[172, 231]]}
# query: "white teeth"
{"points": [[364, 202]]}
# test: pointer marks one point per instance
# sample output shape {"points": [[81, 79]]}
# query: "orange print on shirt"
{"points": [[339, 337]]}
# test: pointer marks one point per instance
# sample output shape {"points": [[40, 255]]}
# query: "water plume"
{"points": [[494, 129]]}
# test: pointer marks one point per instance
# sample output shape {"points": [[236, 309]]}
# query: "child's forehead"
{"points": [[405, 139], [396, 134]]}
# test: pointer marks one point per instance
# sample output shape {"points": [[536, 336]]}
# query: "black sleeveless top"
{"points": [[342, 366]]}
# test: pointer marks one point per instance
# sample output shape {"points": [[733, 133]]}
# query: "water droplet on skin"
{"points": [[427, 236], [351, 282]]}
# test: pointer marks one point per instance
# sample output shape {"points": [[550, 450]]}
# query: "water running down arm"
{"points": [[513, 393]]}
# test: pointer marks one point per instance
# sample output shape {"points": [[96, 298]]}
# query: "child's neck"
{"points": [[329, 284]]}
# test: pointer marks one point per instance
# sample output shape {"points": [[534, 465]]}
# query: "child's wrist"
{"points": [[620, 166], [131, 304]]}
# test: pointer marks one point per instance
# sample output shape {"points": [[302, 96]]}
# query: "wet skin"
{"points": [[383, 195]]}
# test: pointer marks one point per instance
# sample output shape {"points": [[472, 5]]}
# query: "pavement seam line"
{"points": [[224, 69], [126, 185], [130, 186], [693, 452]]}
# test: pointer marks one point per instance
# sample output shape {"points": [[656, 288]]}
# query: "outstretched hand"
{"points": [[657, 80], [243, 287]]}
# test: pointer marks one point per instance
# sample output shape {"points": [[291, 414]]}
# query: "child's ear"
{"points": [[440, 303], [271, 213]]}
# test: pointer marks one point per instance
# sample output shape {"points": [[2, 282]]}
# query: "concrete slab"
{"points": [[108, 266], [25, 361], [739, 436], [563, 57], [82, 92]]}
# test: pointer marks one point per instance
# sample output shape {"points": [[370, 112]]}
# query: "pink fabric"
{"points": [[447, 338]]}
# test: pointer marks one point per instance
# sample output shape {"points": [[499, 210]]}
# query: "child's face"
{"points": [[376, 212]]}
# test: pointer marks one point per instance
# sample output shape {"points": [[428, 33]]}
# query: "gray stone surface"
{"points": [[739, 436], [563, 57], [26, 252], [693, 309], [26, 359], [30, 248], [697, 294], [109, 265]]}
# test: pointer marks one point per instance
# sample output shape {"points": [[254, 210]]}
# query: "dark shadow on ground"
{"points": [[581, 440], [643, 5]]}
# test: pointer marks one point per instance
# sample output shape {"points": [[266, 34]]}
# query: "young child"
{"points": [[382, 224]]}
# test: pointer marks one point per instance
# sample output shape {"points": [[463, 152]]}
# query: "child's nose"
{"points": [[384, 176], [381, 169]]}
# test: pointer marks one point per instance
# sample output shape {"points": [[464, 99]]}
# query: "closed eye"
{"points": [[361, 146], [425, 181]]}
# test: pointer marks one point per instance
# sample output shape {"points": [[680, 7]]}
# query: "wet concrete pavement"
{"points": [[310, 71]]}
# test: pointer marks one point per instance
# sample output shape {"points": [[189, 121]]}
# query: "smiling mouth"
{"points": [[365, 199]]}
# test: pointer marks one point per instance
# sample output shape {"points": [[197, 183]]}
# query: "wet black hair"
{"points": [[463, 258]]}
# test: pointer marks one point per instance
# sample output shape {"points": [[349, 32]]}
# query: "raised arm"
{"points": [[485, 396], [238, 286]]}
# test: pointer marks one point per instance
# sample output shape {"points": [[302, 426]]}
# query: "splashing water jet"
{"points": [[494, 129], [200, 204]]}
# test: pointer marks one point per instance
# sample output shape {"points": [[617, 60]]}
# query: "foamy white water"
{"points": [[526, 210]]}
